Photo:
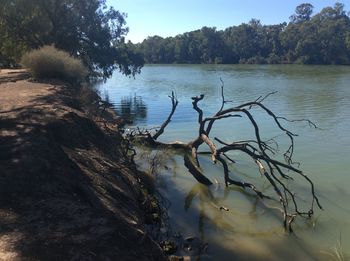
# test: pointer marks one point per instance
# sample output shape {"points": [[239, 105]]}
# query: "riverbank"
{"points": [[66, 190]]}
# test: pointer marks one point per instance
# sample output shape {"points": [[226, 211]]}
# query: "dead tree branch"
{"points": [[174, 103], [274, 171]]}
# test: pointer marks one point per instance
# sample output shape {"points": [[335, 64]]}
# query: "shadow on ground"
{"points": [[66, 193]]}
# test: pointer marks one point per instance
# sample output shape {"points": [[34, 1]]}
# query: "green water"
{"points": [[249, 230]]}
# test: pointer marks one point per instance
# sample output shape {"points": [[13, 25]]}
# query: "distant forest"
{"points": [[323, 38]]}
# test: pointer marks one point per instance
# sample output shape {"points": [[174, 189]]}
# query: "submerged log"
{"points": [[195, 171]]}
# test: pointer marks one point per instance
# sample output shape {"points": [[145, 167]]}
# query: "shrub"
{"points": [[49, 62]]}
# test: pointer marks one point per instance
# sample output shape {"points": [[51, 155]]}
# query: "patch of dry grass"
{"points": [[49, 62]]}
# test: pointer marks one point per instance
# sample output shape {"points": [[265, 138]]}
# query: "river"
{"points": [[249, 230]]}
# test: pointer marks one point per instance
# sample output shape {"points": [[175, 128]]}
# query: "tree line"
{"points": [[323, 38], [86, 29]]}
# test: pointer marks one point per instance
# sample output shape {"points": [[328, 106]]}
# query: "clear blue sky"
{"points": [[172, 17]]}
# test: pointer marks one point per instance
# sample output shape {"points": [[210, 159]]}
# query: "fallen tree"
{"points": [[276, 172]]}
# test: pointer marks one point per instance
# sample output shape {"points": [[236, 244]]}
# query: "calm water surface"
{"points": [[249, 230]]}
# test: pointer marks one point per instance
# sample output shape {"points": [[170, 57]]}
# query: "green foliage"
{"points": [[94, 33], [49, 62], [303, 13], [320, 39], [86, 29]]}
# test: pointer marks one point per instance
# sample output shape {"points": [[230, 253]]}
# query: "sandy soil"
{"points": [[66, 193]]}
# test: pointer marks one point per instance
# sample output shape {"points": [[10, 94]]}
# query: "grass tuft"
{"points": [[49, 62]]}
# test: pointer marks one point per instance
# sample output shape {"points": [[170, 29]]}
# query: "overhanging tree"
{"points": [[87, 29]]}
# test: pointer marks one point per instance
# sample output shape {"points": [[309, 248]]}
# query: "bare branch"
{"points": [[261, 99], [211, 145], [261, 152], [311, 124], [174, 103]]}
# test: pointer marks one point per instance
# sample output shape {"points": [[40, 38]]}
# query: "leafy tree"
{"points": [[333, 28], [154, 51], [303, 13], [211, 44], [20, 25], [181, 48], [323, 38], [272, 36], [248, 40], [87, 29], [195, 47]]}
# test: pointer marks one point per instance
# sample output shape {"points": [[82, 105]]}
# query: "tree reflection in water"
{"points": [[132, 108], [208, 200], [212, 209]]}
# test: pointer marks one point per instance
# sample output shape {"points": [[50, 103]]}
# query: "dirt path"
{"points": [[65, 191]]}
